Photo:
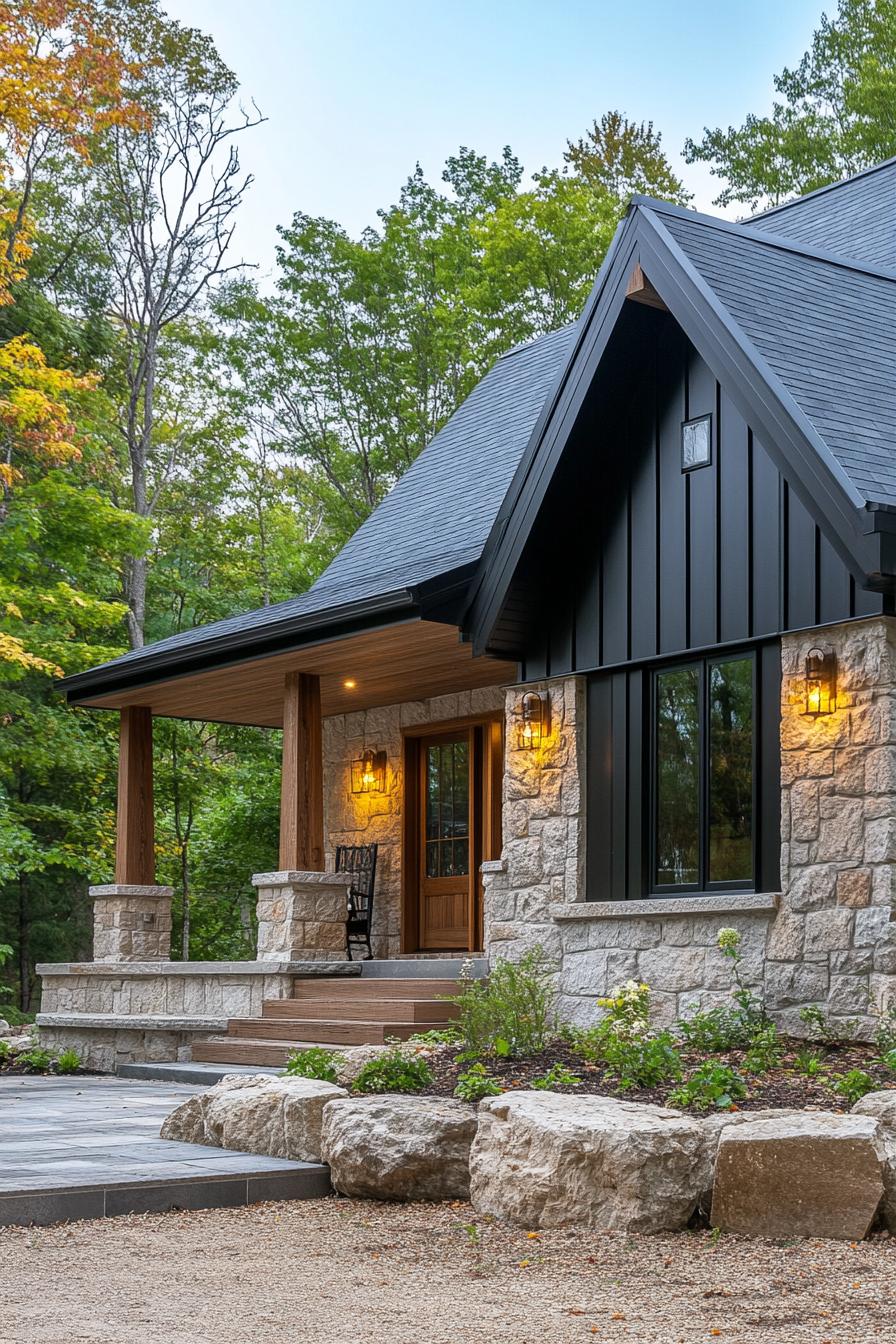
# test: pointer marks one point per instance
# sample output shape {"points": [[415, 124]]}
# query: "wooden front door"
{"points": [[449, 839]]}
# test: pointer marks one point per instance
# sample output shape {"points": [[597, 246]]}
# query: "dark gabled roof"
{"points": [[426, 534], [855, 218], [825, 327], [803, 341]]}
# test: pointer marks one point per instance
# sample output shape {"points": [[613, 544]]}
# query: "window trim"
{"points": [[703, 886]]}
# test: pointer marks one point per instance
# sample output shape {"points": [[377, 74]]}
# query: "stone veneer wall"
{"points": [[135, 1012], [367, 818], [828, 938], [543, 823]]}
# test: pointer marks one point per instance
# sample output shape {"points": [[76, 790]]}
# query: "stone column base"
{"points": [[301, 916], [131, 923]]}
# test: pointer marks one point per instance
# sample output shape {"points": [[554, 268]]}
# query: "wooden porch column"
{"points": [[135, 862], [301, 788]]}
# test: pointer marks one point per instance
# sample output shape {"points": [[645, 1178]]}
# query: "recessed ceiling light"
{"points": [[349, 683]]}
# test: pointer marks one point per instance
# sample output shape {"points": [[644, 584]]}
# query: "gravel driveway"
{"points": [[327, 1271]]}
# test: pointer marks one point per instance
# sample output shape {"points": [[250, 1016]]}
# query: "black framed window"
{"points": [[704, 785]]}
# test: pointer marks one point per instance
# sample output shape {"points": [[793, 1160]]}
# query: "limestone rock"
{"points": [[186, 1124], [541, 1159], [806, 1175], [399, 1147], [882, 1106], [5, 1028], [256, 1113], [713, 1126]]}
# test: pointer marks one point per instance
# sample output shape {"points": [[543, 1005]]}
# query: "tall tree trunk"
{"points": [[185, 887], [24, 945]]}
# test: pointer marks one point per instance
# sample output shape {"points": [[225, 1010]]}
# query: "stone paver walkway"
{"points": [[89, 1147]]}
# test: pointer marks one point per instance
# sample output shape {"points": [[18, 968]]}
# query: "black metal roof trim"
{"points": [[762, 397]]}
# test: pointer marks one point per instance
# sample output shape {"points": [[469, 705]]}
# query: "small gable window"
{"points": [[704, 792], [696, 443]]}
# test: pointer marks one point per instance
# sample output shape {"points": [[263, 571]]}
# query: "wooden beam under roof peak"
{"points": [[641, 290]]}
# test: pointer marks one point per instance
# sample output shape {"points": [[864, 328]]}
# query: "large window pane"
{"points": [[731, 771], [678, 777]]}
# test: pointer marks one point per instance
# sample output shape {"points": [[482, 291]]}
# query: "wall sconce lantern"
{"points": [[369, 772], [821, 682], [535, 724]]}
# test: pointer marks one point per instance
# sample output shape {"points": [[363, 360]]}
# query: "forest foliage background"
{"points": [[178, 444]]}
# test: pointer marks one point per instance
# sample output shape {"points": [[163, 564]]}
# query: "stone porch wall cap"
{"points": [[128, 970], [493, 866], [132, 1022], [123, 889], [302, 880], [732, 903]]}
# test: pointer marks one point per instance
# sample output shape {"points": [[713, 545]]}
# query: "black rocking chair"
{"points": [[360, 862]]}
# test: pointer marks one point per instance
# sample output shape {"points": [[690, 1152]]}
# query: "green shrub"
{"points": [[35, 1060], [558, 1075], [889, 1060], [512, 1012], [5, 1051], [885, 1036], [476, 1083], [626, 1011], [808, 1061], [15, 1017], [764, 1052], [586, 1042], [820, 1028], [313, 1063], [711, 1084], [69, 1061], [447, 1035], [852, 1086], [644, 1062], [717, 1030], [394, 1072]]}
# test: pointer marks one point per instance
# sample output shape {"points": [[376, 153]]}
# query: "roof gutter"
{"points": [[239, 646]]}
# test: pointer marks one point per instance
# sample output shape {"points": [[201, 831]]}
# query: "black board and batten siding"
{"points": [[633, 562]]}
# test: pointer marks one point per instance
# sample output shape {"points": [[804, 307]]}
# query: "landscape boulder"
{"points": [[399, 1147], [542, 1159], [713, 1126], [803, 1175], [5, 1028], [256, 1113], [882, 1107]]}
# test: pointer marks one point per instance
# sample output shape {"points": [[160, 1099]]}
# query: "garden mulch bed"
{"points": [[779, 1087]]}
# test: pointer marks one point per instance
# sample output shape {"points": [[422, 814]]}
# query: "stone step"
{"points": [[422, 968], [327, 1033], [187, 1071], [234, 1051], [341, 991], [354, 1008]]}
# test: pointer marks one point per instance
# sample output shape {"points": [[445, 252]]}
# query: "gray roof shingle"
{"points": [[855, 218], [826, 330]]}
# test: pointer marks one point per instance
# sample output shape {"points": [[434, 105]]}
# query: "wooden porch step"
{"points": [[343, 988], [265, 1054], [356, 1009], [326, 1033]]}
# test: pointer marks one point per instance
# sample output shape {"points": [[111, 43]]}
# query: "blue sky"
{"points": [[357, 91]]}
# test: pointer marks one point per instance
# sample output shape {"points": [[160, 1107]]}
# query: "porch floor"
{"points": [[89, 1147]]}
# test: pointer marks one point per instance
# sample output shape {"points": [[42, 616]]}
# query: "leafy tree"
{"points": [[164, 205], [835, 114], [625, 158], [371, 343]]}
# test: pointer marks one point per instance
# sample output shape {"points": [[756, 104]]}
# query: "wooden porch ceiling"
{"points": [[408, 661]]}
